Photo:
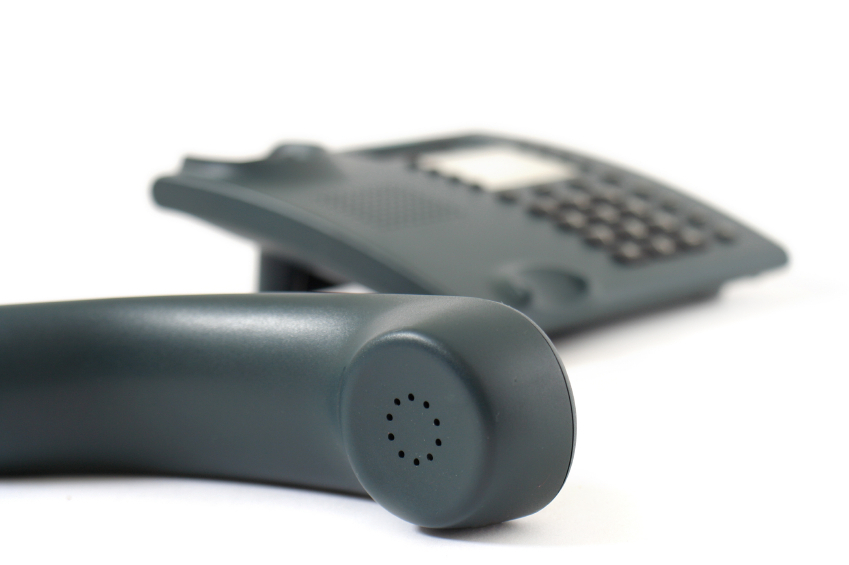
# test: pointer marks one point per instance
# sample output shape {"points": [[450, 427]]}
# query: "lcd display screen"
{"points": [[497, 167]]}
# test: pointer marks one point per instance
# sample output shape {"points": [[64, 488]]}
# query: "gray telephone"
{"points": [[566, 239]]}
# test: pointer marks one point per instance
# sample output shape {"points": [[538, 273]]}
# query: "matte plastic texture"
{"points": [[448, 411], [376, 217]]}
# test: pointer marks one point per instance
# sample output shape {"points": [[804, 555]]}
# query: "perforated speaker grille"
{"points": [[389, 207], [413, 430]]}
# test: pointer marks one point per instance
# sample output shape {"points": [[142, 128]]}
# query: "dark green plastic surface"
{"points": [[367, 216], [299, 389]]}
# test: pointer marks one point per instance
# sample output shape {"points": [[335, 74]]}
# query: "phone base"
{"points": [[277, 274]]}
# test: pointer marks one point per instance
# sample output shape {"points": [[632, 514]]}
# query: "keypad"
{"points": [[632, 220]]}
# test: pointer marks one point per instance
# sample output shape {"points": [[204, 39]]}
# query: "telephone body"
{"points": [[566, 239]]}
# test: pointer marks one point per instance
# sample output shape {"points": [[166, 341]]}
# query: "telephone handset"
{"points": [[448, 411], [564, 238]]}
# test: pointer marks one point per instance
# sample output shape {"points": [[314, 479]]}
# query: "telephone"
{"points": [[448, 411], [566, 239]]}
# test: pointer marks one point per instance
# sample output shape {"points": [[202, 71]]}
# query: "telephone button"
{"points": [[609, 194], [577, 200], [725, 232], [600, 235], [665, 222], [698, 219], [544, 207], [662, 245], [636, 206], [572, 220], [634, 228], [692, 237], [606, 213], [629, 253]]}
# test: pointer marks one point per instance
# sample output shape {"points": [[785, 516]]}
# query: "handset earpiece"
{"points": [[448, 411]]}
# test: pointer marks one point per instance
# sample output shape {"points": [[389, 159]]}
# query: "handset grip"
{"points": [[300, 389]]}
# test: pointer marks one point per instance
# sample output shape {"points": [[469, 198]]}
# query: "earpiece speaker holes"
{"points": [[391, 436]]}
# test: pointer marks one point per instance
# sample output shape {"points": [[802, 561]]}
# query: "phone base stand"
{"points": [[277, 274]]}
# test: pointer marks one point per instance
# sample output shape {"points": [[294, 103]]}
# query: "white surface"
{"points": [[711, 433], [497, 168]]}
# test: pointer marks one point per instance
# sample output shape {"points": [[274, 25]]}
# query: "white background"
{"points": [[717, 431]]}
